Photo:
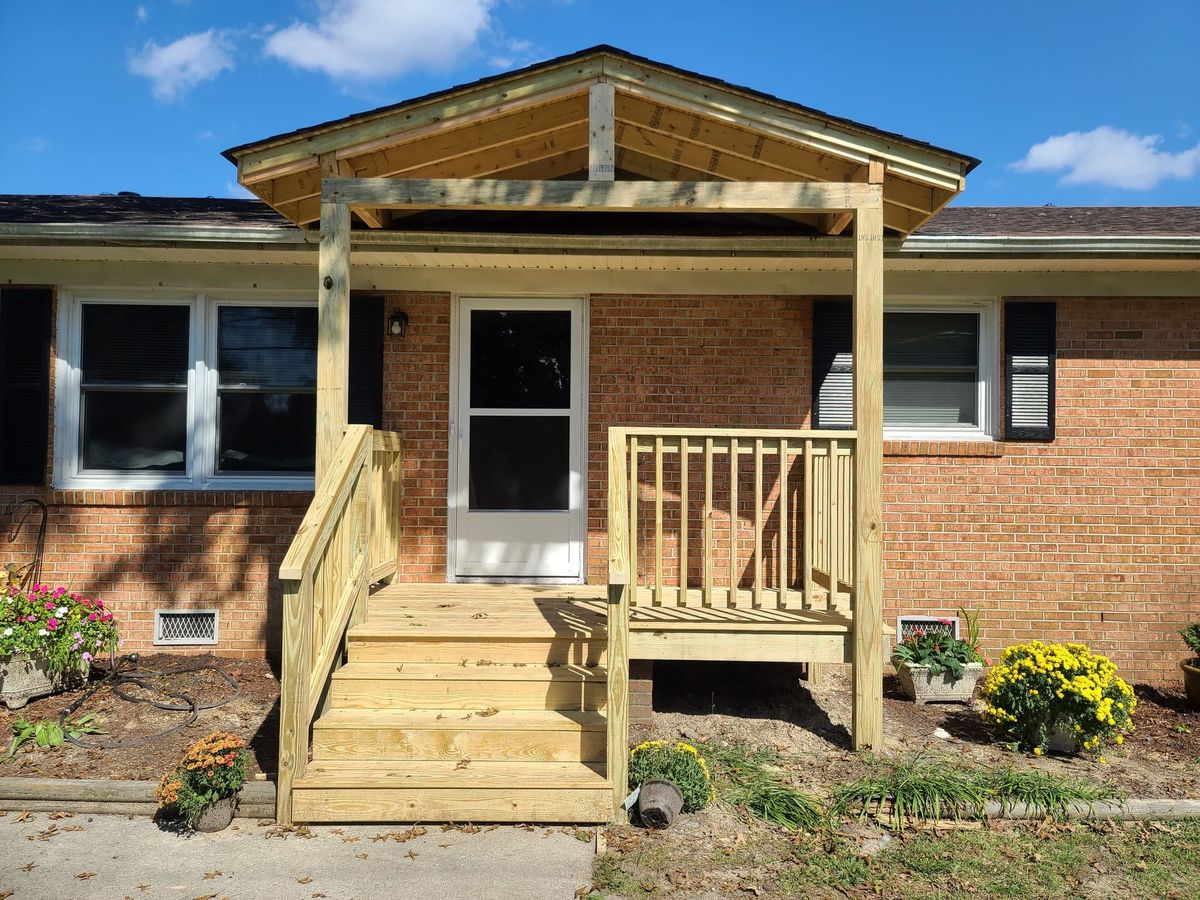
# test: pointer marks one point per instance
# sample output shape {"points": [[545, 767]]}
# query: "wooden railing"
{"points": [[347, 540], [721, 518]]}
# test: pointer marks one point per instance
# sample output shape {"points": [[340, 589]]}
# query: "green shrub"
{"points": [[1191, 637], [679, 763], [211, 770]]}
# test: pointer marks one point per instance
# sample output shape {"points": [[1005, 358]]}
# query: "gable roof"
{"points": [[1064, 221], [671, 125]]}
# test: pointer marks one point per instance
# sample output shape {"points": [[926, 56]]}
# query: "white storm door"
{"points": [[518, 427]]}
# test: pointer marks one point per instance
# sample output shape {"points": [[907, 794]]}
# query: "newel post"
{"points": [[619, 587], [868, 475], [333, 333]]}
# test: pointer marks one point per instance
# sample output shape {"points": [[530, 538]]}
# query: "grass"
{"points": [[744, 778], [927, 787], [1018, 861]]}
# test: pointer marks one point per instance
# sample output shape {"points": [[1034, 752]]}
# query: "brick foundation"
{"points": [[641, 692]]}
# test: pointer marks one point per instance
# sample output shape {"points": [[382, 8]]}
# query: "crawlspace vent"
{"points": [[906, 625], [185, 626]]}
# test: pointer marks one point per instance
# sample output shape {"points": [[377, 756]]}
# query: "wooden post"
{"points": [[602, 154], [620, 583], [333, 333], [293, 692], [868, 475]]}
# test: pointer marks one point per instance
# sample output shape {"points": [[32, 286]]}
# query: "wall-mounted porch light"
{"points": [[397, 323]]}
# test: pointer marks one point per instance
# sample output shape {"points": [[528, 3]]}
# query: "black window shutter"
{"points": [[366, 360], [24, 383], [833, 364], [1029, 354]]}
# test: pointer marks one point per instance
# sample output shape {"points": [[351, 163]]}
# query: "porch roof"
{"points": [[670, 124]]}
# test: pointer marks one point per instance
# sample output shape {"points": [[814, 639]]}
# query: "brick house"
{"points": [[174, 370]]}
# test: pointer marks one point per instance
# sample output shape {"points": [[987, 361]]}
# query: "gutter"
{"points": [[269, 237]]}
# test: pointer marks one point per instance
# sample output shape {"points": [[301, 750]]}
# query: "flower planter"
{"points": [[919, 683], [24, 677], [218, 816], [1191, 681], [1063, 740], [659, 802]]}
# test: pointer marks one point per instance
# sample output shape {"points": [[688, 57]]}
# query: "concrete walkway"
{"points": [[82, 856]]}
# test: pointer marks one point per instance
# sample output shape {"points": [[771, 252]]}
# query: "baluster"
{"points": [[633, 519], [708, 499], [733, 521], [758, 523], [658, 521], [782, 503], [834, 524], [810, 524], [683, 522]]}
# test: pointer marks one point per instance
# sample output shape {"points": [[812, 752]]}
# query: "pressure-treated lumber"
{"points": [[333, 332], [601, 133], [622, 575], [598, 196], [868, 477]]}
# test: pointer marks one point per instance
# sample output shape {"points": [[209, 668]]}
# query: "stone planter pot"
{"points": [[24, 677], [218, 816], [919, 683], [1063, 740], [659, 802], [1191, 681]]}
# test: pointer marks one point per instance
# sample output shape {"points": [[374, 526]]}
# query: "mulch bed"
{"points": [[253, 713], [768, 704]]}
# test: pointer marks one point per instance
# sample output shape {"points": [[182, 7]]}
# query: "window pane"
{"points": [[930, 398], [266, 432], [520, 360], [520, 462], [140, 431], [135, 344], [267, 346], [930, 339]]}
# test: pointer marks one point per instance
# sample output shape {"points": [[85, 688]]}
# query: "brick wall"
{"points": [[1092, 537]]}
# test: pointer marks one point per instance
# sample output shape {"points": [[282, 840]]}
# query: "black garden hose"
{"points": [[123, 672]]}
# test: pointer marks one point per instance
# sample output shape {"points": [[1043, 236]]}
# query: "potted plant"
{"points": [[1191, 667], [48, 638], [1061, 697], [202, 790], [935, 666], [669, 778]]}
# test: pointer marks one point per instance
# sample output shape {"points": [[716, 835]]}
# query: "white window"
{"points": [[939, 369], [197, 392]]}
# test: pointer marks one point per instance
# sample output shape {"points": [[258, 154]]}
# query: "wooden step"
{"points": [[423, 791], [370, 642], [409, 685], [456, 734]]}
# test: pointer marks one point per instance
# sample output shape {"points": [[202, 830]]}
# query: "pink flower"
{"points": [[52, 624], [58, 592], [107, 617], [87, 657], [92, 617], [49, 606], [31, 618], [77, 636], [74, 646], [100, 604]]}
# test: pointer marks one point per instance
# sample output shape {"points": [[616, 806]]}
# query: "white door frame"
{"points": [[579, 491]]}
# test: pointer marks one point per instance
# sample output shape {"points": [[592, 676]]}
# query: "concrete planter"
{"points": [[659, 802], [1191, 681], [218, 816], [919, 683], [24, 677]]}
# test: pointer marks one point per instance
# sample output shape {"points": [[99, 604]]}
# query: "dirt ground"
{"points": [[810, 725], [252, 712]]}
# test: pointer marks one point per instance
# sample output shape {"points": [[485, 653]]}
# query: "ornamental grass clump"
{"points": [[211, 770], [679, 763], [1038, 689], [62, 627]]}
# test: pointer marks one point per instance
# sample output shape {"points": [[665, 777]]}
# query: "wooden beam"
{"points": [[868, 477], [602, 163], [330, 166], [601, 196], [872, 173], [333, 332]]}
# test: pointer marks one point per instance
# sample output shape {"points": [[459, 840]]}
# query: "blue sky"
{"points": [[1065, 102]]}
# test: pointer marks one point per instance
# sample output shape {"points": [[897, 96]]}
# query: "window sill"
{"points": [[975, 447], [253, 499], [116, 482]]}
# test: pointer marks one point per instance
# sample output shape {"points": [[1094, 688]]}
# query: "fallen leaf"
{"points": [[350, 840], [490, 711], [307, 879], [84, 876], [360, 855], [60, 815], [209, 876], [411, 854], [462, 764], [23, 817], [28, 867]]}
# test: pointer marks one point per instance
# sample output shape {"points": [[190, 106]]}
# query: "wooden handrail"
{"points": [[347, 539]]}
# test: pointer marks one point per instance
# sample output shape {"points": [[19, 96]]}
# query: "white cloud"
{"points": [[176, 68], [142, 14], [1109, 156], [365, 39]]}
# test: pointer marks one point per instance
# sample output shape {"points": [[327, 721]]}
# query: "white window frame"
{"points": [[203, 378], [987, 383]]}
